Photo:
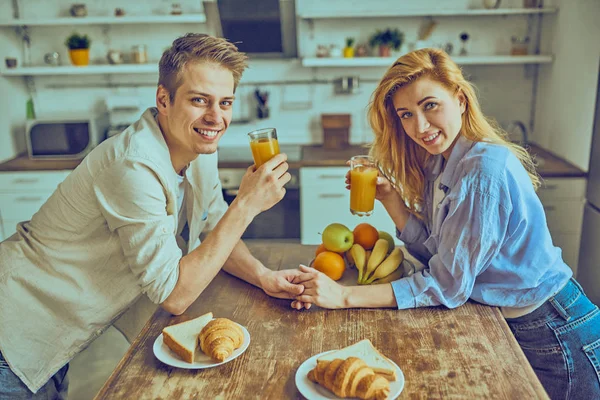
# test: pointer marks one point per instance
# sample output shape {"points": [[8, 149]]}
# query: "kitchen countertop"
{"points": [[466, 352], [550, 166]]}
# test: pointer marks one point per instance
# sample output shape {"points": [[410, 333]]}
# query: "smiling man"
{"points": [[129, 221]]}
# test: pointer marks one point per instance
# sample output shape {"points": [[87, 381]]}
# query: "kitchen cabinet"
{"points": [[324, 199], [22, 194], [563, 200]]}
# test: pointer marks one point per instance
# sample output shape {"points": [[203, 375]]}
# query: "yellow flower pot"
{"points": [[348, 52], [80, 57]]}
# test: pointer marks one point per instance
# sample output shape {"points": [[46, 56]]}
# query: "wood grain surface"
{"points": [[468, 352]]}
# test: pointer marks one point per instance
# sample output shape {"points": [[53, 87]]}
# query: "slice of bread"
{"points": [[369, 354], [182, 338]]}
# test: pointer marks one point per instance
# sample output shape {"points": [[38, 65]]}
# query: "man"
{"points": [[128, 222]]}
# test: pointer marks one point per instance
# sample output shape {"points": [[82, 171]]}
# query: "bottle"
{"points": [[30, 110]]}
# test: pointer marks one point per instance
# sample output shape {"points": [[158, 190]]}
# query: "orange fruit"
{"points": [[320, 249], [366, 235], [331, 264]]}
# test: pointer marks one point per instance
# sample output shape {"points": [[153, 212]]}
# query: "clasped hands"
{"points": [[306, 286]]}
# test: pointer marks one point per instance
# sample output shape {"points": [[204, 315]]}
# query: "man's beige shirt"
{"points": [[104, 237]]}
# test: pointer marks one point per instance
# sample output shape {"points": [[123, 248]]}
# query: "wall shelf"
{"points": [[87, 70], [326, 14], [461, 60], [108, 20]]}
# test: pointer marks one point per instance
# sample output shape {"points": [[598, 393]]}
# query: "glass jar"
{"points": [[520, 46], [139, 54]]}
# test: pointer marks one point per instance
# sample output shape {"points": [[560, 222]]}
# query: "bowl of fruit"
{"points": [[371, 252]]}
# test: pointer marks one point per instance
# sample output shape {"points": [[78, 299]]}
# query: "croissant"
{"points": [[350, 378], [220, 337]]}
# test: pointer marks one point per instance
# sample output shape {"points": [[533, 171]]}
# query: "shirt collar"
{"points": [[450, 174]]}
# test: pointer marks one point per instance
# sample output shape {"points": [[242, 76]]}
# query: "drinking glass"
{"points": [[264, 145], [363, 185]]}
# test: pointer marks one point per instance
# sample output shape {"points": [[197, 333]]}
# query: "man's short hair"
{"points": [[198, 48]]}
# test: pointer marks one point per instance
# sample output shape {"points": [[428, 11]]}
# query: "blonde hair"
{"points": [[400, 158], [198, 48]]}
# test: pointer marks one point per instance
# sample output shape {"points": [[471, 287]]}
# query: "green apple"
{"points": [[389, 238], [337, 238]]}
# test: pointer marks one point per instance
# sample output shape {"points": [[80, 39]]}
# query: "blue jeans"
{"points": [[11, 387], [561, 340]]}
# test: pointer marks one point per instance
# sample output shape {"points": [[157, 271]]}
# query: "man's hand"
{"points": [[262, 188], [279, 283], [319, 289]]}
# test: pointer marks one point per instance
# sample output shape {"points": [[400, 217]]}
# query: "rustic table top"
{"points": [[468, 352]]}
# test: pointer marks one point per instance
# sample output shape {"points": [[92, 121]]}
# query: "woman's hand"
{"points": [[319, 289], [384, 190]]}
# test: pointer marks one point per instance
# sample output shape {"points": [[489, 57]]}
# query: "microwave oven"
{"points": [[65, 138]]}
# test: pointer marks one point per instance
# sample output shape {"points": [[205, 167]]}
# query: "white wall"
{"points": [[506, 91], [567, 88]]}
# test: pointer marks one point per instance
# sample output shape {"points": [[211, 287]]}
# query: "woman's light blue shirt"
{"points": [[489, 241]]}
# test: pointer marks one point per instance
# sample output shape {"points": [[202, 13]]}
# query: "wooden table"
{"points": [[468, 352]]}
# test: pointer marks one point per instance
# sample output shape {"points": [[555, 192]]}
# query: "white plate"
{"points": [[164, 354], [314, 391]]}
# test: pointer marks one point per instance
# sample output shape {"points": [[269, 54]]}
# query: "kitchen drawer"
{"points": [[569, 243], [562, 188], [16, 182], [321, 208], [22, 206], [564, 216], [331, 177]]}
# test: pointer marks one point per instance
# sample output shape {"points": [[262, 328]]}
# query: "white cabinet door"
{"points": [[22, 194], [563, 200], [569, 244]]}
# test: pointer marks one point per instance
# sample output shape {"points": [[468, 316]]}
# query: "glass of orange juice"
{"points": [[363, 185], [264, 145]]}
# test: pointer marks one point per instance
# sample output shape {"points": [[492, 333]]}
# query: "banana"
{"points": [[387, 266], [358, 254], [394, 276], [377, 256]]}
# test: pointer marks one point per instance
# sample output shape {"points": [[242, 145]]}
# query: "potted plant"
{"points": [[386, 40], [349, 49], [79, 49]]}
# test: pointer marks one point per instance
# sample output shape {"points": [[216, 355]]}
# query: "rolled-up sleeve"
{"points": [[470, 237], [217, 207], [133, 202]]}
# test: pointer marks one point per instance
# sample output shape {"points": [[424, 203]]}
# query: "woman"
{"points": [[463, 200]]}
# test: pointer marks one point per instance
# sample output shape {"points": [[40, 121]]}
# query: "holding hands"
{"points": [[318, 289]]}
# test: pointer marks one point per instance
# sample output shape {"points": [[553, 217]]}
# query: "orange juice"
{"points": [[263, 150], [363, 185]]}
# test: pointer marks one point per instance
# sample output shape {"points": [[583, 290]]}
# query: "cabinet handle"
{"points": [[550, 187], [26, 180], [29, 199], [331, 176], [232, 192], [331, 195], [549, 208]]}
